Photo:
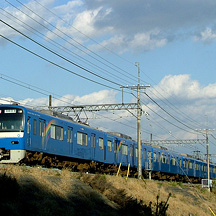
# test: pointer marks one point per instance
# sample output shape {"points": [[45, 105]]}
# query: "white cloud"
{"points": [[16, 18], [182, 86], [140, 42], [206, 36], [67, 8]]}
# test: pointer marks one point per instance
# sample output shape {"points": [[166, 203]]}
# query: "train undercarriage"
{"points": [[79, 165]]}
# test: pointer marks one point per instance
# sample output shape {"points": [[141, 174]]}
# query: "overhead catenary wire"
{"points": [[60, 56], [169, 113], [102, 46], [57, 65], [60, 46], [126, 74]]}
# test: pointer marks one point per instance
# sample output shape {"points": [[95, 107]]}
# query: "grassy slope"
{"points": [[36, 191]]}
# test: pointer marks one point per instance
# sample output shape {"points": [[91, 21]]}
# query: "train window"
{"points": [[184, 163], [124, 149], [35, 126], [144, 154], [70, 135], [28, 126], [168, 159], [179, 163], [93, 140], [173, 161], [82, 138], [155, 157], [41, 128], [136, 152], [131, 151], [163, 158], [115, 146], [205, 168], [190, 165], [109, 145], [56, 132], [101, 143]]}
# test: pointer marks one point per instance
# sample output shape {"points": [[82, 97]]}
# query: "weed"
{"points": [[173, 183]]}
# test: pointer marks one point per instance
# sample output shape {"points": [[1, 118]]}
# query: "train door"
{"points": [[29, 141], [93, 141], [42, 124], [105, 147], [116, 150], [132, 155], [149, 160], [70, 139]]}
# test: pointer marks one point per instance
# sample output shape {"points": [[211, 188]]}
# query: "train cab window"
{"points": [[109, 145], [124, 149], [101, 143], [70, 135], [56, 132], [35, 126], [82, 138]]}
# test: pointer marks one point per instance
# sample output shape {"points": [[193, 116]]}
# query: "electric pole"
{"points": [[207, 151], [139, 110], [138, 125]]}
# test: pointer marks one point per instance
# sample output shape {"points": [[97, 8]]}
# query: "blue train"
{"points": [[24, 130]]}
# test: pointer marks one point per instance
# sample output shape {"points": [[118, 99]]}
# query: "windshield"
{"points": [[11, 119]]}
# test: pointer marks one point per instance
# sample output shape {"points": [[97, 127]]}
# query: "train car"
{"points": [[24, 130]]}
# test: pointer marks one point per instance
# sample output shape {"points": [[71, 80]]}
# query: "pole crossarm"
{"points": [[182, 142], [92, 108]]}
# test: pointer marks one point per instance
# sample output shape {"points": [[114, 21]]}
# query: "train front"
{"points": [[11, 134]]}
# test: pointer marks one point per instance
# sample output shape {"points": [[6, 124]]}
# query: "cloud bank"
{"points": [[124, 26]]}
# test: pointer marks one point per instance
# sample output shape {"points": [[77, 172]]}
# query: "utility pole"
{"points": [[139, 110], [138, 125], [207, 151]]}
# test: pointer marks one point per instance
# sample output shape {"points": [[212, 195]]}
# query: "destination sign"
{"points": [[10, 111]]}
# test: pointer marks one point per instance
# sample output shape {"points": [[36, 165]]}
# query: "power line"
{"points": [[169, 113], [88, 50], [59, 54], [57, 65], [60, 45], [104, 47]]}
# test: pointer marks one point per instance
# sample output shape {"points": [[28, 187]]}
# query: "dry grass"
{"points": [[38, 191]]}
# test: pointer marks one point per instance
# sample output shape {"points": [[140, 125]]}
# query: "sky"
{"points": [[84, 51]]}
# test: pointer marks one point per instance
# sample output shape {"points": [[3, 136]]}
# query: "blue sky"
{"points": [[174, 41]]}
